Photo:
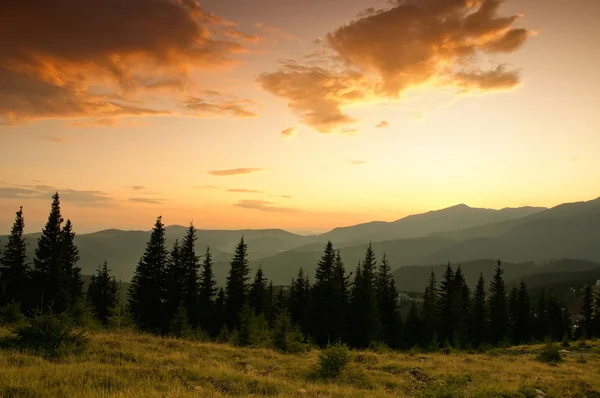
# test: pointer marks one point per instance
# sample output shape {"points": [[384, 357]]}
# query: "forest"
{"points": [[174, 293]]}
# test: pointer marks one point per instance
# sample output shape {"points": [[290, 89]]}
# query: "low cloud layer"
{"points": [[45, 192], [382, 53], [263, 205], [233, 172], [150, 201], [107, 56]]}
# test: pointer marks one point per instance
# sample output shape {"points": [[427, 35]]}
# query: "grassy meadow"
{"points": [[128, 364]]}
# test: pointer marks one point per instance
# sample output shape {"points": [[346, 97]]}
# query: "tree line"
{"points": [[174, 291]]}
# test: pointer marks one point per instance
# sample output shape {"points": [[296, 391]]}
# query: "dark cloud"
{"points": [[51, 138], [233, 172], [117, 46], [263, 205], [150, 201], [382, 53]]}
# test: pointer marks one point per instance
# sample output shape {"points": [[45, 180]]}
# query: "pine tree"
{"points": [[206, 296], [587, 312], [47, 274], [463, 308], [102, 294], [363, 303], [447, 308], [71, 272], [322, 306], [246, 323], [430, 311], [271, 305], [191, 265], [147, 289], [14, 269], [557, 328], [220, 319], [299, 300], [258, 293], [236, 288], [175, 283], [542, 322], [596, 326], [479, 319], [413, 328], [513, 313], [387, 299], [281, 304], [498, 307], [523, 321], [340, 296]]}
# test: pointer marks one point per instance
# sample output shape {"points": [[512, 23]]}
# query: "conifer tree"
{"points": [[147, 289], [387, 299], [281, 303], [322, 306], [430, 311], [220, 318], [299, 301], [206, 296], [71, 272], [542, 322], [447, 308], [102, 294], [596, 326], [498, 307], [340, 296], [257, 297], [176, 281], [363, 303], [413, 328], [14, 269], [513, 305], [48, 282], [523, 322], [236, 288], [587, 312], [479, 319], [556, 322], [271, 305], [190, 262], [463, 308]]}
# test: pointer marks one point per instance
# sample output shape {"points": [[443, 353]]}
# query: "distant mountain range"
{"points": [[459, 234]]}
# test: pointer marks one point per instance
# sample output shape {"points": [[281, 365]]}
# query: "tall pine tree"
{"points": [[220, 319], [206, 297], [447, 308], [413, 328], [430, 311], [258, 293], [236, 288], [102, 294], [542, 322], [14, 269], [479, 319], [147, 289], [340, 295], [322, 305], [176, 281], [299, 300], [587, 313], [463, 310], [387, 299], [70, 271], [498, 307], [523, 322], [190, 263], [363, 303]]}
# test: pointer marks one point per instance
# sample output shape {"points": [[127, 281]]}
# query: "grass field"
{"points": [[124, 364]]}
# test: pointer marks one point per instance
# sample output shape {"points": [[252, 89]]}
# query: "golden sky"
{"points": [[296, 114]]}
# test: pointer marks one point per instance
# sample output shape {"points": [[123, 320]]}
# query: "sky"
{"points": [[296, 114]]}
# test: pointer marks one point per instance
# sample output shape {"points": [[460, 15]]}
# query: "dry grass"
{"points": [[134, 365]]}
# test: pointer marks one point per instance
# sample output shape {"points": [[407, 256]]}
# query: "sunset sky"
{"points": [[295, 114]]}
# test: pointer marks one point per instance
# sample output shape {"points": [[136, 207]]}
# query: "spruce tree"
{"points": [[387, 299], [513, 312], [147, 289], [447, 308], [102, 294], [48, 282], [14, 269], [322, 305], [191, 265], [556, 322], [479, 319], [257, 297], [596, 326], [463, 309], [271, 305], [299, 301], [587, 312], [523, 321], [220, 319], [542, 322], [498, 307], [176, 281], [71, 272], [413, 328], [340, 296], [236, 288], [363, 303], [430, 310], [206, 296]]}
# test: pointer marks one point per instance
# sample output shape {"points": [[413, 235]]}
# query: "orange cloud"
{"points": [[149, 201], [287, 133], [238, 190], [233, 172], [51, 138], [382, 124], [263, 205], [115, 48], [217, 104], [382, 53]]}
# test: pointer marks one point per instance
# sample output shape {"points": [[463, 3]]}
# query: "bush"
{"points": [[180, 327], [50, 336], [223, 336], [379, 347], [333, 360], [550, 354], [11, 314], [81, 315], [286, 337], [254, 330]]}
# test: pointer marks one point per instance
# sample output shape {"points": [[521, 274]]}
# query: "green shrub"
{"points": [[379, 347], [286, 337], [550, 354], [50, 336], [333, 360], [81, 315], [223, 336], [180, 327], [11, 314]]}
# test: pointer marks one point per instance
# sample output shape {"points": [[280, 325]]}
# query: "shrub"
{"points": [[379, 347], [286, 337], [11, 314], [81, 315], [50, 336], [333, 360], [180, 327], [550, 354], [223, 336]]}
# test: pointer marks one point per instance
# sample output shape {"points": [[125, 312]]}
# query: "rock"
{"points": [[539, 393]]}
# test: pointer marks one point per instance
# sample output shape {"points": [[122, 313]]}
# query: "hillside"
{"points": [[134, 365]]}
